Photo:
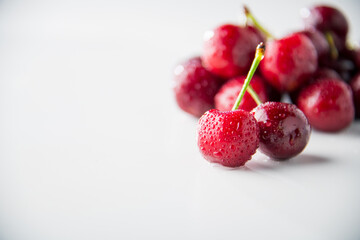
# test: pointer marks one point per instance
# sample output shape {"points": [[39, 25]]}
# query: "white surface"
{"points": [[92, 145]]}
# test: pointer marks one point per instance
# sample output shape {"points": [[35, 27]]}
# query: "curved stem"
{"points": [[259, 55], [333, 50], [256, 23], [254, 95]]}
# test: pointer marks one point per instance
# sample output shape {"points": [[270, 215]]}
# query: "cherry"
{"points": [[195, 87], [284, 129], [356, 58], [320, 43], [228, 50], [230, 138], [355, 87], [328, 104], [326, 19], [321, 73], [289, 62], [344, 66], [225, 98]]}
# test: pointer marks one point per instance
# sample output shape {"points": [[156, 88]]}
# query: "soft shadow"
{"points": [[300, 160], [353, 129], [308, 159]]}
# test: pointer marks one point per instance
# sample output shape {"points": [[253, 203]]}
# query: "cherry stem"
{"points": [[254, 95], [256, 23], [333, 50], [259, 55]]}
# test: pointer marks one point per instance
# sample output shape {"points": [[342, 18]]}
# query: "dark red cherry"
{"points": [[322, 73], [229, 50], [328, 104], [284, 129], [195, 87], [355, 87], [289, 62], [326, 19], [320, 43], [344, 66], [226, 97]]}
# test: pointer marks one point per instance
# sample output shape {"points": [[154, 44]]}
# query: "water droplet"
{"points": [[291, 140], [218, 153]]}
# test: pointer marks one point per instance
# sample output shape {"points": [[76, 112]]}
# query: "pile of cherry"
{"points": [[240, 109]]}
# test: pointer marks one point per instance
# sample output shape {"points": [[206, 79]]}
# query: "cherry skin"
{"points": [[326, 19], [228, 138], [320, 43], [356, 58], [284, 129], [321, 73], [195, 87], [229, 50], [328, 104], [355, 87], [289, 62], [225, 98]]}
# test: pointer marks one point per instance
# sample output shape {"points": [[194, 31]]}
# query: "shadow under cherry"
{"points": [[300, 160]]}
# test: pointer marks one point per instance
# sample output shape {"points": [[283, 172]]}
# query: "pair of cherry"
{"points": [[230, 138]]}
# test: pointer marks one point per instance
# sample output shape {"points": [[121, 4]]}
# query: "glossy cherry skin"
{"points": [[226, 97], [289, 62], [355, 87], [326, 18], [228, 138], [284, 129], [328, 104], [229, 50], [195, 87]]}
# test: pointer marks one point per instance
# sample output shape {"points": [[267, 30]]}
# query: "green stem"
{"points": [[256, 23], [333, 50], [259, 55], [254, 95]]}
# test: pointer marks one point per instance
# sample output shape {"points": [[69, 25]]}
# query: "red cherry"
{"points": [[284, 129], [355, 87], [289, 62], [326, 19], [320, 43], [225, 98], [195, 87], [328, 104], [229, 49], [321, 73], [229, 138]]}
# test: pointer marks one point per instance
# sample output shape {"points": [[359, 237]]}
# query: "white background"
{"points": [[93, 146]]}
